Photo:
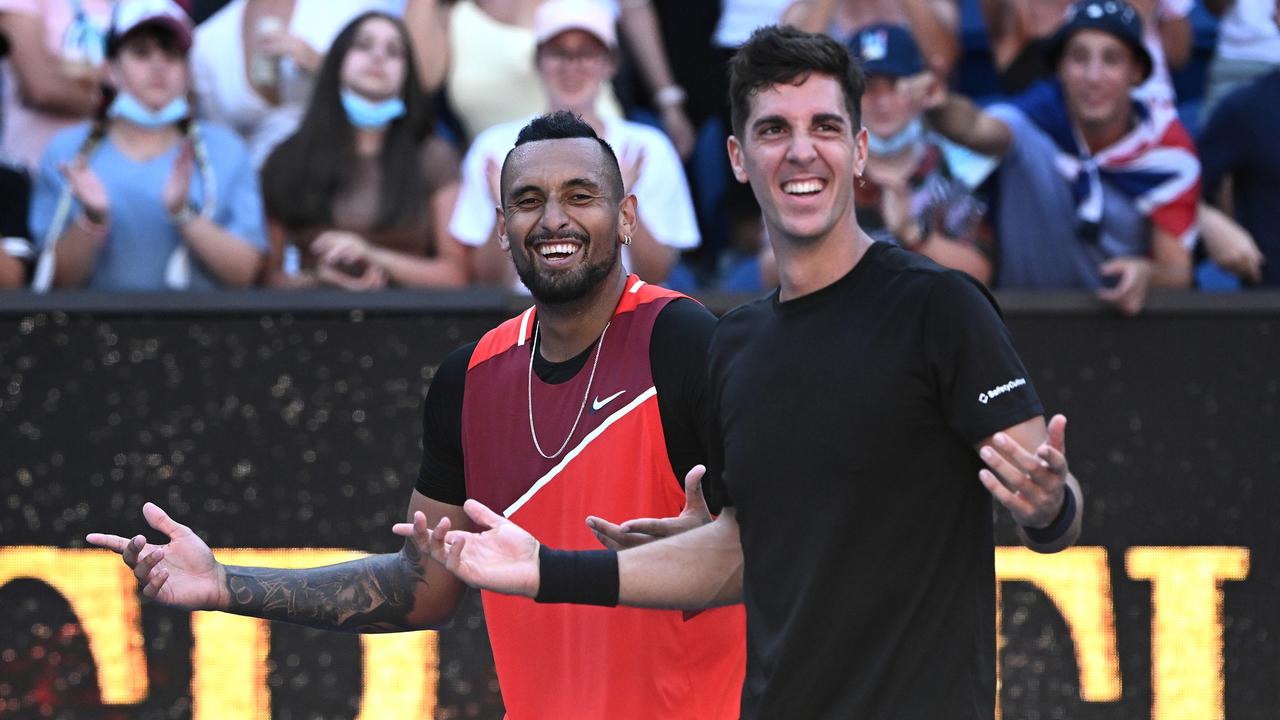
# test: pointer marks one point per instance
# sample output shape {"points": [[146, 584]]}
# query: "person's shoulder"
{"points": [[748, 313], [628, 134], [686, 317], [915, 272], [454, 366], [67, 142], [222, 140], [503, 135], [217, 27], [632, 130], [23, 7], [1258, 99], [435, 150]]}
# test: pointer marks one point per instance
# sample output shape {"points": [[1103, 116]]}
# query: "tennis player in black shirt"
{"points": [[867, 412]]}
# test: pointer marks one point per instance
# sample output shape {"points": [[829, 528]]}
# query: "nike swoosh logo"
{"points": [[598, 403]]}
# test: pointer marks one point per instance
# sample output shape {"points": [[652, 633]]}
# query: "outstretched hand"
{"points": [[1032, 486], [645, 530], [182, 573], [501, 557]]}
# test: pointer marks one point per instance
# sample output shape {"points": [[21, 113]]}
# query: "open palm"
{"points": [[182, 573], [502, 558]]}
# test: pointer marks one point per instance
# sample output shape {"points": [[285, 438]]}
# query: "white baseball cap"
{"points": [[129, 15], [593, 16]]}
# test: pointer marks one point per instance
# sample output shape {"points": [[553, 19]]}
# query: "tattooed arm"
{"points": [[380, 593]]}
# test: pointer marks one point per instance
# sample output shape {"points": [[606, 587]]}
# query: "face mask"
{"points": [[371, 115], [899, 141], [127, 107]]}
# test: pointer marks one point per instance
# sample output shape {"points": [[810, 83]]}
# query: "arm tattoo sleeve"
{"points": [[373, 594]]}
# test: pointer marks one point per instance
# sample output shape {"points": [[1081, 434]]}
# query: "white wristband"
{"points": [[669, 96]]}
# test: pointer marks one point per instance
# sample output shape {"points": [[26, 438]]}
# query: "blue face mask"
{"points": [[370, 115], [128, 107], [899, 141]]}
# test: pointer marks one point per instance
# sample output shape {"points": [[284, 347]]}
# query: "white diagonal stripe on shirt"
{"points": [[553, 472], [524, 325]]}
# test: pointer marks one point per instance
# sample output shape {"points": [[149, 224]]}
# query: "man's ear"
{"points": [[627, 217], [860, 152], [736, 160], [501, 226]]}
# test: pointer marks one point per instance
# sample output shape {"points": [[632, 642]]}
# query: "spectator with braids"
{"points": [[144, 198], [364, 189]]}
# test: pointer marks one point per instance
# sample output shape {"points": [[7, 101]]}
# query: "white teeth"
{"points": [[802, 187], [557, 249]]}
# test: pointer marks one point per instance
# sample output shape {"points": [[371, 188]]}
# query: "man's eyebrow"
{"points": [[518, 191], [830, 118], [582, 182], [768, 120]]}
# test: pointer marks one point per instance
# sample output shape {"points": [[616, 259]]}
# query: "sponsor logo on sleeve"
{"points": [[997, 391]]}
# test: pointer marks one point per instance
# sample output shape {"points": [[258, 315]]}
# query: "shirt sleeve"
{"points": [[1220, 146], [1018, 124], [474, 214], [242, 215], [47, 188], [678, 359], [1174, 9], [439, 165], [442, 474], [662, 191], [978, 377], [23, 7]]}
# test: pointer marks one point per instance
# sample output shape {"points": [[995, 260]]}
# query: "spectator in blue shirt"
{"points": [[1097, 191], [1240, 153], [144, 198]]}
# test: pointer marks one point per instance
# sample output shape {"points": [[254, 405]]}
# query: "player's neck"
{"points": [[566, 329], [808, 266]]}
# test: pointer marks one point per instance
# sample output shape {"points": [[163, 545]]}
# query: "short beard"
{"points": [[565, 287]]}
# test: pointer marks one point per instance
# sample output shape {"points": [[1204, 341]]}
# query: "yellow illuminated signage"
{"points": [[229, 663], [229, 652], [1186, 624]]}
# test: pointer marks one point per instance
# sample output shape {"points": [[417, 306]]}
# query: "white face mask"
{"points": [[129, 108], [909, 135], [368, 114]]}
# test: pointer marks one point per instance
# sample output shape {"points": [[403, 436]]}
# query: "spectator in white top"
{"points": [[1248, 47], [575, 57], [254, 62]]}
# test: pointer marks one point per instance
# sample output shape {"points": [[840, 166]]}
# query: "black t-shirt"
{"points": [[848, 419], [677, 359]]}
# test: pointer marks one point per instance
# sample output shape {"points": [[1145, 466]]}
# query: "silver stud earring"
{"points": [[626, 239]]}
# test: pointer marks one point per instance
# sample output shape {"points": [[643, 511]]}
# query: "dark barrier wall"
{"points": [[286, 430]]}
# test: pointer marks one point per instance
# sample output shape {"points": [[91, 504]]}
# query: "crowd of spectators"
{"points": [[1118, 146]]}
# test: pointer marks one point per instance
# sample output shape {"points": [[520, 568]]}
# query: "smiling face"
{"points": [[886, 106], [800, 151], [562, 218], [574, 64], [1098, 71], [375, 65], [150, 70]]}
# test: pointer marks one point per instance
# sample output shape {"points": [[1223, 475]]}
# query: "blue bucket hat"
{"points": [[1114, 17]]}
